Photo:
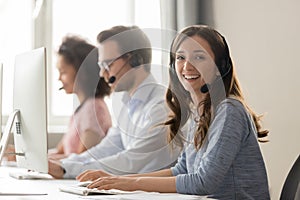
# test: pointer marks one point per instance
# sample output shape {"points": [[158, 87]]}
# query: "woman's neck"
{"points": [[197, 97], [81, 96]]}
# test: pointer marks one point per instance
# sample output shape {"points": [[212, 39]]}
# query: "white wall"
{"points": [[264, 38]]}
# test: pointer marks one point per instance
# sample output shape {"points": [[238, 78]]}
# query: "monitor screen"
{"points": [[1, 88], [30, 100], [4, 138]]}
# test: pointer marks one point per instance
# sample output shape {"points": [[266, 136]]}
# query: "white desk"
{"points": [[50, 188]]}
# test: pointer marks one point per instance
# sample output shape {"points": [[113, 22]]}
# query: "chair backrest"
{"points": [[291, 187]]}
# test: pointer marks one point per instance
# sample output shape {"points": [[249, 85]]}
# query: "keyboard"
{"points": [[81, 189], [30, 175]]}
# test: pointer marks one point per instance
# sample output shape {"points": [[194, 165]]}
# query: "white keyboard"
{"points": [[30, 175], [81, 189]]}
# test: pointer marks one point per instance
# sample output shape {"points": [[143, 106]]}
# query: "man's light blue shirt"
{"points": [[137, 143]]}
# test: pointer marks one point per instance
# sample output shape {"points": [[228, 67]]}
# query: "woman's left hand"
{"points": [[115, 182], [92, 175]]}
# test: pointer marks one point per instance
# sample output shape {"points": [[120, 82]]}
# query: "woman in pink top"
{"points": [[79, 74]]}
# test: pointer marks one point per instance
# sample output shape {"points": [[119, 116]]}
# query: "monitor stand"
{"points": [[22, 173], [4, 140]]}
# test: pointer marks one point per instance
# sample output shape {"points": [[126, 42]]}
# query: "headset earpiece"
{"points": [[136, 60], [226, 63], [225, 67]]}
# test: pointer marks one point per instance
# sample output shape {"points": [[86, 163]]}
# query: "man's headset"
{"points": [[135, 60]]}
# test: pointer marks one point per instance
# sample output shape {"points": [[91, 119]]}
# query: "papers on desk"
{"points": [[147, 196], [94, 193], [20, 194]]}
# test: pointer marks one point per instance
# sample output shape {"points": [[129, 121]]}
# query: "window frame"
{"points": [[42, 36]]}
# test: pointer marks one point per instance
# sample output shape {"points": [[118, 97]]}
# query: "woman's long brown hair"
{"points": [[179, 100]]}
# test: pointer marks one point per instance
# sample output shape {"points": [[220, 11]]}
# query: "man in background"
{"points": [[138, 142]]}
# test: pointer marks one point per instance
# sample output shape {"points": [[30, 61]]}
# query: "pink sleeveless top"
{"points": [[93, 116]]}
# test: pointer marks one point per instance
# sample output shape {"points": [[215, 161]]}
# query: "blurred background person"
{"points": [[79, 75], [135, 143]]}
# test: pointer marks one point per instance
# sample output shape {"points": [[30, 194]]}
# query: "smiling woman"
{"points": [[190, 54], [221, 157]]}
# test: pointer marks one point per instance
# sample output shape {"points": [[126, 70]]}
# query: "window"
{"points": [[87, 18], [87, 21], [15, 37], [29, 24]]}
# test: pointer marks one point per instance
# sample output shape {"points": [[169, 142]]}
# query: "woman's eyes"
{"points": [[197, 57], [179, 57], [62, 72]]}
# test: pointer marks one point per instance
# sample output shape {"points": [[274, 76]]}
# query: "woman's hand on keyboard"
{"points": [[91, 175], [116, 182]]}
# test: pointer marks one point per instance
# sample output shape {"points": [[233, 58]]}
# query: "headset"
{"points": [[135, 60], [224, 68]]}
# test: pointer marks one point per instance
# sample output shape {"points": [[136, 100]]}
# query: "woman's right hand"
{"points": [[91, 175]]}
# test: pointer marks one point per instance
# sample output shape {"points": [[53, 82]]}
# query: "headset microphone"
{"points": [[204, 89], [111, 79]]}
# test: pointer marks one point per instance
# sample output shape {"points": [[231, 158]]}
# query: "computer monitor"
{"points": [[30, 110], [1, 88], [4, 139]]}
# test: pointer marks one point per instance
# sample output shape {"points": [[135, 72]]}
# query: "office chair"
{"points": [[291, 187]]}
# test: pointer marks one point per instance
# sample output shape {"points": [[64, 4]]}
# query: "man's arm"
{"points": [[144, 155], [148, 150], [111, 144], [55, 169]]}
